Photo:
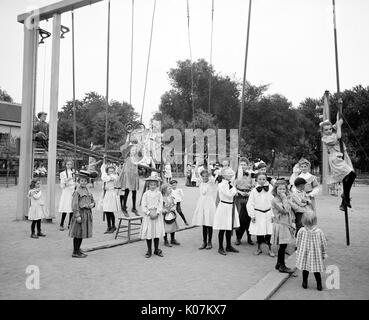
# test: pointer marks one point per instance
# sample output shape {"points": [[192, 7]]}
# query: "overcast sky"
{"points": [[291, 46]]}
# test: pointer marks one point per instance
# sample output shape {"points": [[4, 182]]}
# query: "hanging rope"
{"points": [[211, 51], [148, 60], [190, 48], [107, 83], [357, 140], [44, 77], [244, 73], [130, 79], [74, 99]]}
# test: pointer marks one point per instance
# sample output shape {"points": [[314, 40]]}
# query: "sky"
{"points": [[291, 47]]}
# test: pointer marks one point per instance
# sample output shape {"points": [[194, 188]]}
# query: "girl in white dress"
{"points": [[152, 223], [259, 208], [37, 210], [110, 201], [68, 186], [205, 209], [226, 217]]}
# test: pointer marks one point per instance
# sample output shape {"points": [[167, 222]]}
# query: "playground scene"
{"points": [[168, 136]]}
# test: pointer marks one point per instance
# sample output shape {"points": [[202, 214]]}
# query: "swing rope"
{"points": [[74, 100], [130, 79], [44, 76], [211, 51], [148, 60], [107, 83], [190, 49]]}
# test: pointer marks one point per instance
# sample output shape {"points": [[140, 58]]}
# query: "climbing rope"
{"points": [[148, 60], [130, 79], [74, 98], [211, 51], [190, 49]]}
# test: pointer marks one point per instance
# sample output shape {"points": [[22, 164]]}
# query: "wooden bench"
{"points": [[130, 225]]}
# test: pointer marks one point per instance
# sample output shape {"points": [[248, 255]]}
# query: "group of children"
{"points": [[252, 202]]}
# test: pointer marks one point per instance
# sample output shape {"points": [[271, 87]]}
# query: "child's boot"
{"points": [[203, 246], [209, 246], [318, 279], [34, 236], [305, 275], [166, 243]]}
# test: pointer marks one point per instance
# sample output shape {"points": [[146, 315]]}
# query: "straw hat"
{"points": [[153, 177]]}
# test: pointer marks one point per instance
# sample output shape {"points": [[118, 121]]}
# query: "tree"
{"points": [[90, 121], [4, 96]]}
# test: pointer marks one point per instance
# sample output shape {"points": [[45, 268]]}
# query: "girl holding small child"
{"points": [[37, 210]]}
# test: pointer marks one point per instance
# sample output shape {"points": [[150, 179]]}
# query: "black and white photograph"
{"points": [[172, 151]]}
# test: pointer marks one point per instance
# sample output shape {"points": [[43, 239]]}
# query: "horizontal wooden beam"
{"points": [[60, 7]]}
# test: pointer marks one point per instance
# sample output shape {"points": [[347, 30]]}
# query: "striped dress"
{"points": [[311, 246]]}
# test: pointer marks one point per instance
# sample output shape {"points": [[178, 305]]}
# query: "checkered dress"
{"points": [[311, 246]]}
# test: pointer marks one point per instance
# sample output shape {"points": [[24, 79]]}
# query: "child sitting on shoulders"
{"points": [[178, 197], [37, 210], [311, 250], [283, 228]]}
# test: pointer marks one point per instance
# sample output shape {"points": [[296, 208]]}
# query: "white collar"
{"points": [[306, 175]]}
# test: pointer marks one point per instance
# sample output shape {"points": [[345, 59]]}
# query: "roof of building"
{"points": [[10, 112]]}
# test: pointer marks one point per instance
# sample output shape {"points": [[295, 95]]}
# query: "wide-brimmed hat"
{"points": [[153, 177], [83, 174]]}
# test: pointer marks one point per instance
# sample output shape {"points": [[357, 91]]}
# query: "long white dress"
{"points": [[263, 220], [37, 209], [225, 218], [205, 208], [111, 201], [150, 229], [68, 186]]}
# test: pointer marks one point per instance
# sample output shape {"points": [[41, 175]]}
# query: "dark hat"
{"points": [[173, 181], [299, 181], [40, 114], [84, 174]]}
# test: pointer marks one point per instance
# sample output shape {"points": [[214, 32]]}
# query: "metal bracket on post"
{"points": [[44, 34], [63, 31]]}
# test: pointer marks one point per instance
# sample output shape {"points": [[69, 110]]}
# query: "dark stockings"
{"points": [[110, 219], [172, 237], [156, 244], [33, 225], [221, 237], [207, 234], [77, 245], [262, 239], [125, 198], [317, 275], [347, 183], [149, 245], [64, 214], [281, 254]]}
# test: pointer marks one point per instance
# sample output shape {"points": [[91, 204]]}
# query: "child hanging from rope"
{"points": [[340, 165], [81, 225]]}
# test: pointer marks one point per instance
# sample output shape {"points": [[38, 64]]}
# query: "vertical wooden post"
{"points": [[325, 165], [28, 100], [53, 120]]}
